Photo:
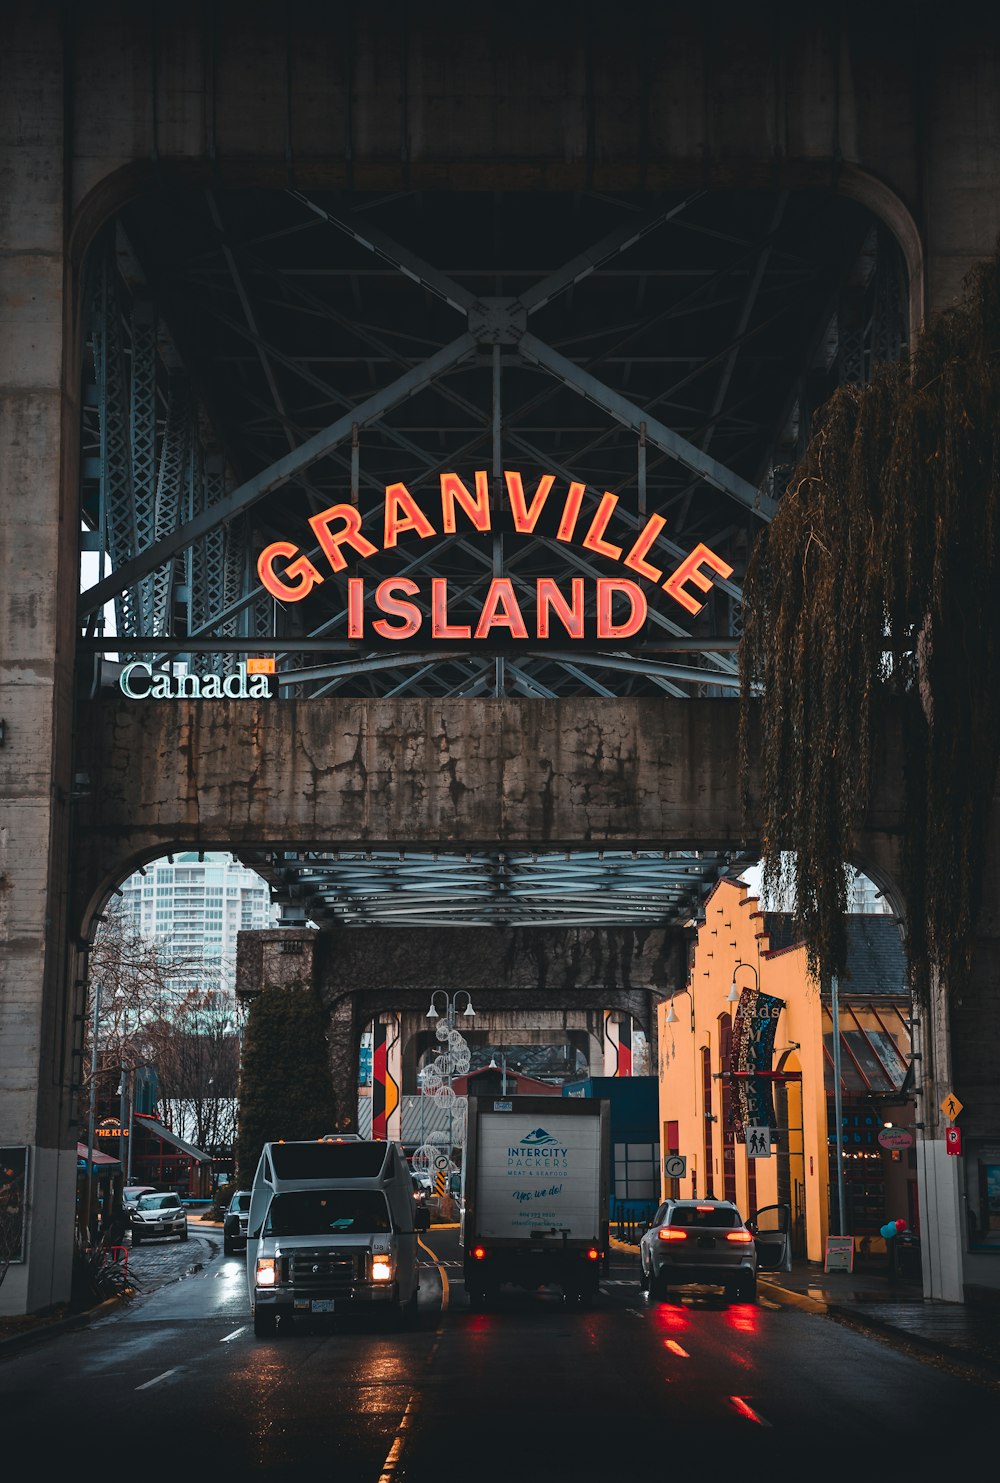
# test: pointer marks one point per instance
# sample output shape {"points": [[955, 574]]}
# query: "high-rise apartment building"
{"points": [[196, 905]]}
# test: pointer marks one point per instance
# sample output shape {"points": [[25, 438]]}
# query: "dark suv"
{"points": [[699, 1241], [234, 1223]]}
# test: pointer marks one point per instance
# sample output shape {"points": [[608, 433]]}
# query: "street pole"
{"points": [[131, 1122], [838, 1106], [93, 1107]]}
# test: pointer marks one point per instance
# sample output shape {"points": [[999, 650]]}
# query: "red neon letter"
{"points": [[571, 512], [593, 540], [397, 608], [398, 497], [350, 535], [643, 542], [298, 580], [526, 517], [478, 509], [688, 572], [440, 627], [355, 608], [501, 595], [570, 616], [607, 628]]}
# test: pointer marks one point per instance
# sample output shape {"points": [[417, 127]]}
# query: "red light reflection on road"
{"points": [[675, 1319], [747, 1411], [743, 1317]]}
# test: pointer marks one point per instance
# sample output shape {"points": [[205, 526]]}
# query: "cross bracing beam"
{"points": [[629, 415], [277, 474], [533, 349]]}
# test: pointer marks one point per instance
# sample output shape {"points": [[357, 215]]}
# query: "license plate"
{"points": [[322, 1305]]}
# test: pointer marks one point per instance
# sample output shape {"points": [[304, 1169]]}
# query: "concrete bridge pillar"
{"points": [[39, 435]]}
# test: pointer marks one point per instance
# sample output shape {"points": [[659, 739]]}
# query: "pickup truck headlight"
{"points": [[267, 1271], [381, 1269]]}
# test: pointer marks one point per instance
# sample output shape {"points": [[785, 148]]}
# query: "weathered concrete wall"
{"points": [[439, 773], [360, 974]]}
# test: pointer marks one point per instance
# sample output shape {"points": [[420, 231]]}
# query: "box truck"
{"points": [[534, 1203], [333, 1228]]}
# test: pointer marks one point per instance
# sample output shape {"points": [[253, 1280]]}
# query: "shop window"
{"points": [[982, 1188]]}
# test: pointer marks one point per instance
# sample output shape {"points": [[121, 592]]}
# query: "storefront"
{"points": [[161, 1158]]}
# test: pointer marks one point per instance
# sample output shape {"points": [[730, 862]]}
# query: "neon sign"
{"points": [[289, 575]]}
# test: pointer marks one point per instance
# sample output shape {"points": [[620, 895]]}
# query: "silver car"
{"points": [[699, 1241], [158, 1215]]}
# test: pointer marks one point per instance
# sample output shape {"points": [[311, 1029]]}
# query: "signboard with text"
{"points": [[839, 1254]]}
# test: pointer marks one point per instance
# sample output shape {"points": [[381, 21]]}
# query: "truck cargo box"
{"points": [[535, 1186]]}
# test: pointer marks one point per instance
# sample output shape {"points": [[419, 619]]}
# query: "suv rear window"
{"points": [[690, 1215]]}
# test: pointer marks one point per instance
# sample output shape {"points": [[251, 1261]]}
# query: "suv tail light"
{"points": [[672, 1233], [743, 1236]]}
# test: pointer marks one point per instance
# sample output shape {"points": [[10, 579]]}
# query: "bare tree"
{"points": [[196, 1051]]}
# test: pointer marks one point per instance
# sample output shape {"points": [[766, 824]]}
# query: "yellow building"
{"points": [[749, 1044]]}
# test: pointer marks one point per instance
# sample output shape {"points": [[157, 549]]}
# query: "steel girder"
{"points": [[497, 326], [348, 888]]}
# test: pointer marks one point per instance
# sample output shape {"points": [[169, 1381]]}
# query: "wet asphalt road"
{"points": [[531, 1390]]}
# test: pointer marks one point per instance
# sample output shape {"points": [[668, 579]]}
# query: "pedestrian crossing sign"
{"points": [[951, 1106]]}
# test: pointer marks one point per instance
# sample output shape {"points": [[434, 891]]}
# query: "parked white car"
{"points": [[158, 1215]]}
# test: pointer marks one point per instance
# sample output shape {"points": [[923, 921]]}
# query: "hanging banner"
{"points": [[754, 1028]]}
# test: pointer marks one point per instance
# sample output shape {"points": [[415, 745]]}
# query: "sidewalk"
{"points": [[962, 1334]]}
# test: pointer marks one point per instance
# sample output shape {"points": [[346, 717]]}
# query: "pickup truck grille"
{"points": [[332, 1271]]}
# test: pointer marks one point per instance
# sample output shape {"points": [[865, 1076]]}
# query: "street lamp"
{"points": [[671, 1018], [734, 992], [451, 1006], [502, 1068]]}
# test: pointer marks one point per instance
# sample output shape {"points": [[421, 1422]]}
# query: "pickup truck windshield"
{"points": [[324, 1212]]}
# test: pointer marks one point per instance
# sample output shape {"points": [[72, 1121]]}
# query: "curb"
{"points": [[864, 1323], [792, 1299], [15, 1342]]}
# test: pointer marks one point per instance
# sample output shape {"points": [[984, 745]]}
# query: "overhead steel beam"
{"points": [[629, 415], [276, 474], [581, 267], [407, 262]]}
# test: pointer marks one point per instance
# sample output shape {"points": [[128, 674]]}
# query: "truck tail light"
{"points": [[593, 1254], [743, 1236], [267, 1274], [672, 1233], [479, 1252]]}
